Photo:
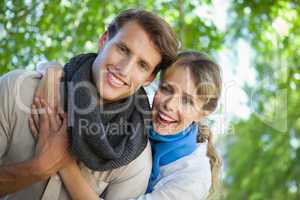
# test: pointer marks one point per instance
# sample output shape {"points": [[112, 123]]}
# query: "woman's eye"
{"points": [[165, 89]]}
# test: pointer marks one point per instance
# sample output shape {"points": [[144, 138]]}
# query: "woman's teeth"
{"points": [[165, 118]]}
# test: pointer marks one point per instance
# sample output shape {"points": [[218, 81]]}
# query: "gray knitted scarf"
{"points": [[108, 136]]}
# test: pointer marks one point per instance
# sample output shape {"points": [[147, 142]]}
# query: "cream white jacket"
{"points": [[188, 178]]}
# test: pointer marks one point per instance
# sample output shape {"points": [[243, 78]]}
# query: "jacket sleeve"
{"points": [[4, 115], [13, 101]]}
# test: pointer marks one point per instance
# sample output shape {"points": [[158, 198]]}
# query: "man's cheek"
{"points": [[141, 80]]}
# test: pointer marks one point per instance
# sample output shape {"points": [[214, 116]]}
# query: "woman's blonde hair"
{"points": [[207, 76]]}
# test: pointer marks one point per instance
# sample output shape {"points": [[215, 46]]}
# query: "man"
{"points": [[135, 46]]}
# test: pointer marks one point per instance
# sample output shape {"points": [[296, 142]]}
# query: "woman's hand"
{"points": [[49, 127], [49, 86]]}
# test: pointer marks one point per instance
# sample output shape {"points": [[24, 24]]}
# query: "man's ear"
{"points": [[102, 40], [149, 79]]}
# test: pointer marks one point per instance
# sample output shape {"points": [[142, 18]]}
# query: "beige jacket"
{"points": [[17, 144]]}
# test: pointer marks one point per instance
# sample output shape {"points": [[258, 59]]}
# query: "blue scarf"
{"points": [[169, 148]]}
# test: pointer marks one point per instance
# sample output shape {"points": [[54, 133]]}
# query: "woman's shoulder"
{"points": [[201, 149], [190, 174], [200, 154], [197, 157]]}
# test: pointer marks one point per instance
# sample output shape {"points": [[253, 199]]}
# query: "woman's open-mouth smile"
{"points": [[164, 119]]}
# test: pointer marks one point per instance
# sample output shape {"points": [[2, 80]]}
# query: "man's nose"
{"points": [[126, 66]]}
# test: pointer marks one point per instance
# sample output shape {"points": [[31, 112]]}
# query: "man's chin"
{"points": [[111, 96]]}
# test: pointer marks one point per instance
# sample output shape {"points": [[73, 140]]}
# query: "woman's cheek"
{"points": [[156, 99], [185, 118]]}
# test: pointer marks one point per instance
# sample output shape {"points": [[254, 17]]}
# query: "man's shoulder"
{"points": [[15, 74], [18, 78], [17, 87]]}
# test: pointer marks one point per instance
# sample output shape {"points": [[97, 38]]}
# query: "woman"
{"points": [[185, 164]]}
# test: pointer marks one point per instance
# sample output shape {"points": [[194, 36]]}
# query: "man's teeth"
{"points": [[166, 118], [116, 80]]}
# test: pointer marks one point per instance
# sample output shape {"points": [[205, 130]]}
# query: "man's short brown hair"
{"points": [[159, 32]]}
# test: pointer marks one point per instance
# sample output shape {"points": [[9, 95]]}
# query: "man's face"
{"points": [[125, 63]]}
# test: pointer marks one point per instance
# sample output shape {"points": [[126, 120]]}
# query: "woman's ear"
{"points": [[102, 40], [202, 114]]}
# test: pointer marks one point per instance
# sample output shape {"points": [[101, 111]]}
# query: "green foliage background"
{"points": [[262, 160], [58, 30]]}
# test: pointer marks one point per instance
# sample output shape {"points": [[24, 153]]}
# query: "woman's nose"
{"points": [[171, 104]]}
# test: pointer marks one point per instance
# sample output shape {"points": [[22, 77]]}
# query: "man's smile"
{"points": [[114, 80]]}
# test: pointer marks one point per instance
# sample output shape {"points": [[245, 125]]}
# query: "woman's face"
{"points": [[176, 105]]}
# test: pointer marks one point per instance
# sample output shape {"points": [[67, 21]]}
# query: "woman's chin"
{"points": [[164, 130]]}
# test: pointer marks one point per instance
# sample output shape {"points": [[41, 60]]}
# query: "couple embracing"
{"points": [[87, 130]]}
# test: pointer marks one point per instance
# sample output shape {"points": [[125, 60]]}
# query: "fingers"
{"points": [[54, 125], [38, 105], [44, 124], [63, 128], [35, 115], [58, 120], [60, 113], [64, 119], [33, 128], [57, 110], [42, 109]]}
